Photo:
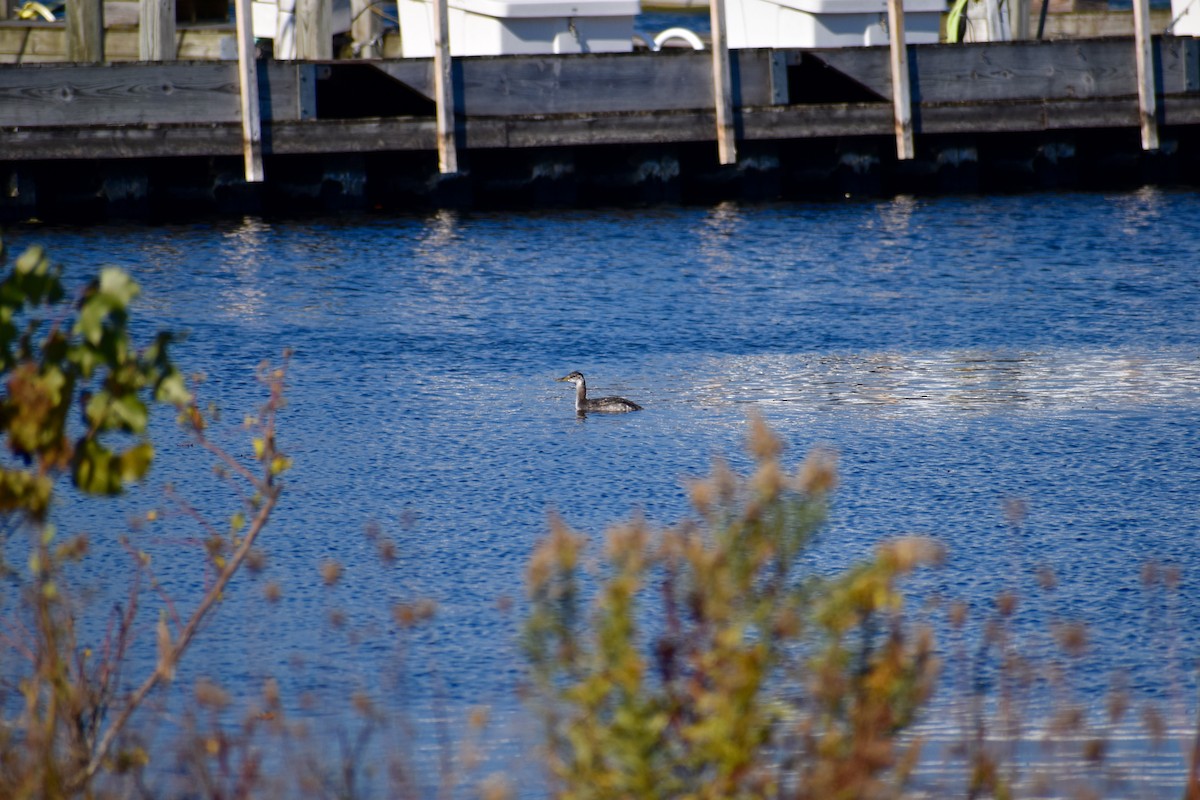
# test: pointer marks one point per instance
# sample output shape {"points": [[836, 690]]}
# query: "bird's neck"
{"points": [[580, 395]]}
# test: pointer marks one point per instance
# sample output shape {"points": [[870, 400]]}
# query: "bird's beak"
{"points": [[563, 378]]}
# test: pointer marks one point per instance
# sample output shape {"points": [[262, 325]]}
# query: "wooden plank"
{"points": [[415, 73], [286, 90], [147, 94], [1098, 24], [1144, 58], [814, 122], [43, 43], [306, 92], [443, 89], [206, 93], [202, 42], [119, 94], [314, 30], [156, 30], [32, 43], [1191, 64], [1030, 117], [823, 122], [248, 106], [1011, 70], [780, 91], [85, 31], [901, 91], [722, 85], [599, 83], [39, 144]]}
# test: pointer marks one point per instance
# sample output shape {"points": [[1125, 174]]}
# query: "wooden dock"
{"points": [[169, 137]]}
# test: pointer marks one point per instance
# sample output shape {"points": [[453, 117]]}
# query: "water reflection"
{"points": [[246, 254], [1141, 209], [718, 245], [896, 215], [955, 381], [441, 233]]}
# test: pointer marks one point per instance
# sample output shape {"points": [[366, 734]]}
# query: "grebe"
{"points": [[607, 404]]}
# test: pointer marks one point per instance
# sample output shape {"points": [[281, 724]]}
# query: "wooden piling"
{"points": [[901, 90], [443, 89], [366, 29], [1020, 25], [248, 86], [285, 30], [314, 30], [85, 31], [1147, 102], [156, 30], [722, 85]]}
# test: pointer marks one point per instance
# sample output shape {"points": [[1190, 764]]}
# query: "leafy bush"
{"points": [[58, 356], [711, 665]]}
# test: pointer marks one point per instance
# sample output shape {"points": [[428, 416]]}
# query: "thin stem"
{"points": [[270, 492], [161, 672]]}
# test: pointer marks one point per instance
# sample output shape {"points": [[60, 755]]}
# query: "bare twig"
{"points": [[269, 489]]}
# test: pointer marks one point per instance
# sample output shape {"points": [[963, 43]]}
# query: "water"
{"points": [[958, 354]]}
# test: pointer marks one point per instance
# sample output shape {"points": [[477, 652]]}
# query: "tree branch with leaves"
{"points": [[61, 356]]}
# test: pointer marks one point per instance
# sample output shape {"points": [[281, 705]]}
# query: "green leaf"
{"points": [[96, 410], [55, 381], [33, 261], [98, 471], [129, 413], [117, 284], [86, 359], [94, 471], [19, 490], [47, 368], [92, 314], [134, 463], [172, 389]]}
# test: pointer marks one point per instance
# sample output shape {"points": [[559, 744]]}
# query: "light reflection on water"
{"points": [[950, 382], [957, 353]]}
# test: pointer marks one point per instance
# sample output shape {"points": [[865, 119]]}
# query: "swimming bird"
{"points": [[605, 404]]}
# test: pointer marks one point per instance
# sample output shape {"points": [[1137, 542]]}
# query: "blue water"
{"points": [[957, 353]]}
